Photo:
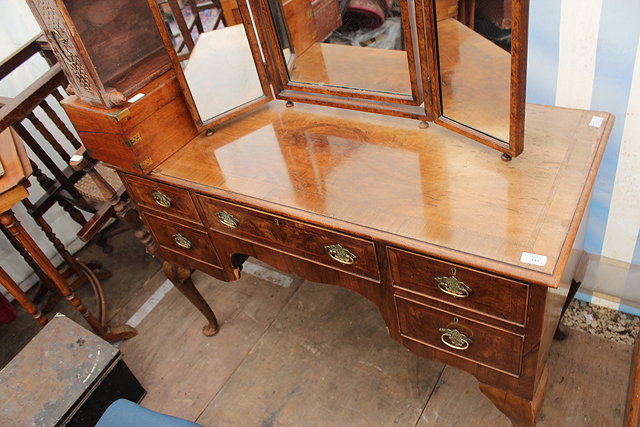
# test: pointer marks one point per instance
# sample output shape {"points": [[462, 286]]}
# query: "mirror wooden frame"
{"points": [[517, 86], [247, 22], [417, 105], [425, 102]]}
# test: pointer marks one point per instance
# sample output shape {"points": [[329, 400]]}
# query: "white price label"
{"points": [[534, 259], [136, 97], [596, 121]]}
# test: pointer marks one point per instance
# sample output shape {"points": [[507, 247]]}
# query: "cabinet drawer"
{"points": [[180, 239], [335, 250], [453, 284], [162, 197], [486, 345]]}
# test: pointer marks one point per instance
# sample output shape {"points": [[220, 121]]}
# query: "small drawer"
{"points": [[460, 337], [181, 239], [162, 197], [453, 284], [335, 250]]}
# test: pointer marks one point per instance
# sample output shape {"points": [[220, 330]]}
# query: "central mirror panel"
{"points": [[348, 50], [364, 50]]}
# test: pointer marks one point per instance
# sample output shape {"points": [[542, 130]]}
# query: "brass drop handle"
{"points": [[161, 198], [182, 241], [455, 339], [452, 286], [227, 219], [60, 40], [340, 254]]}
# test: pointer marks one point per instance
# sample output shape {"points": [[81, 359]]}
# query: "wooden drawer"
{"points": [[193, 245], [488, 346], [292, 236], [491, 295], [162, 197]]}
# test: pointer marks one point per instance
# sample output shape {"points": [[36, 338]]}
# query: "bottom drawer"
{"points": [[460, 337], [183, 245]]}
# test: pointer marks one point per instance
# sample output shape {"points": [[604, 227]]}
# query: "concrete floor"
{"points": [[291, 352]]}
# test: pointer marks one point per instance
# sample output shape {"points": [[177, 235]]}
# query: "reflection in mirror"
{"points": [[474, 45], [215, 55], [357, 44]]}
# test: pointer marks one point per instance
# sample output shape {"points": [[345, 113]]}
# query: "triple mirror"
{"points": [[460, 63]]}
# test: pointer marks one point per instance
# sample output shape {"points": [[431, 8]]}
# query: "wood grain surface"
{"points": [[432, 190]]}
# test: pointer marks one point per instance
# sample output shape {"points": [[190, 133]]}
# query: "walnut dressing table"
{"points": [[433, 231], [469, 259]]}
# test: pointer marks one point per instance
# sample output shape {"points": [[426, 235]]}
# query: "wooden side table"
{"points": [[13, 189]]}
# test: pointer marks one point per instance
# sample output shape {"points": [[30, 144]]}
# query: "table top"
{"points": [[430, 190], [17, 168]]}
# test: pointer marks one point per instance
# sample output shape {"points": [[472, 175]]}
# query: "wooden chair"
{"points": [[72, 190]]}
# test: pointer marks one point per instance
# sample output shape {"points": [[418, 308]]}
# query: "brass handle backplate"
{"points": [[455, 339], [161, 199], [452, 286], [60, 41], [182, 241], [227, 219], [340, 254]]}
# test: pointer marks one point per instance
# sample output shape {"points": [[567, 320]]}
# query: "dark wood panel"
{"points": [[171, 234], [149, 193], [292, 236], [489, 346], [498, 297], [119, 38]]}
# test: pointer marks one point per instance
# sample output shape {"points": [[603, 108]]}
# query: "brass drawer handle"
{"points": [[161, 199], [227, 219], [340, 254], [452, 286], [182, 241], [454, 338]]}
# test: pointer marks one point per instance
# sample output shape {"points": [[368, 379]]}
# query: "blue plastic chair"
{"points": [[123, 413]]}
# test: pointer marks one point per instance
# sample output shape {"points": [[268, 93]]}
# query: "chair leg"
{"points": [[123, 210]]}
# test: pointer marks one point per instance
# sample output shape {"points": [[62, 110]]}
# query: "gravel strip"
{"points": [[605, 322]]}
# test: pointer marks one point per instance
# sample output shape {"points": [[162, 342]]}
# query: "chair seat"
{"points": [[87, 185]]}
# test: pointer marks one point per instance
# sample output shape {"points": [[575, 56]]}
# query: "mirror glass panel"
{"points": [[356, 44], [474, 55], [214, 53]]}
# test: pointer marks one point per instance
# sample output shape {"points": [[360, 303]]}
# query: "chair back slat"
{"points": [[21, 55], [42, 155], [49, 137], [57, 121]]}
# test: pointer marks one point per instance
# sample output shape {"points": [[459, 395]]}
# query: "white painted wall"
{"points": [[586, 54]]}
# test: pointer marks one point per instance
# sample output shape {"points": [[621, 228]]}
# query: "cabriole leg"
{"points": [[181, 279], [521, 412]]}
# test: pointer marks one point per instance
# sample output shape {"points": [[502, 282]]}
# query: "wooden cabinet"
{"points": [[141, 133]]}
